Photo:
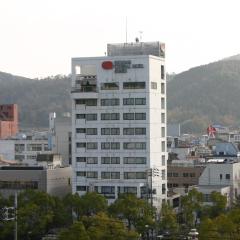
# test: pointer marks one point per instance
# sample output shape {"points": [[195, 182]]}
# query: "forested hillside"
{"points": [[197, 97], [36, 98], [205, 94]]}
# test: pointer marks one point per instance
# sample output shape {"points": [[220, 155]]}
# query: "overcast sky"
{"points": [[39, 37]]}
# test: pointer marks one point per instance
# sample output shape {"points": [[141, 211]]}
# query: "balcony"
{"points": [[85, 84]]}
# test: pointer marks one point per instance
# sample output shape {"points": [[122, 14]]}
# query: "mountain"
{"points": [[205, 94], [197, 97], [35, 98]]}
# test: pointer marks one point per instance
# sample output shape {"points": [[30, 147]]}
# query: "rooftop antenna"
{"points": [[126, 30], [140, 35]]}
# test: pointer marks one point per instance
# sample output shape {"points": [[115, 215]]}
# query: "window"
{"points": [[115, 116], [163, 103], [92, 145], [115, 131], [130, 190], [81, 159], [134, 160], [87, 102], [81, 188], [19, 148], [105, 160], [128, 101], [163, 117], [80, 130], [80, 145], [115, 160], [140, 175], [92, 174], [34, 147], [128, 131], [140, 101], [134, 175], [80, 116], [105, 175], [128, 116], [140, 116], [134, 145], [162, 88], [112, 160], [19, 157], [140, 145], [92, 160], [163, 146], [91, 131], [163, 189], [192, 175], [163, 160], [115, 145], [107, 189], [129, 145], [105, 131], [163, 131], [109, 86], [105, 116], [105, 145], [91, 117], [81, 174], [110, 102], [175, 174], [130, 175], [228, 176], [31, 157], [140, 131], [110, 131], [220, 176], [134, 85], [153, 85], [110, 116], [115, 175], [162, 72], [185, 174], [163, 174], [132, 101]]}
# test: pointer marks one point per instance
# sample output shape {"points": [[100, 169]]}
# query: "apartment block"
{"points": [[8, 120], [119, 122]]}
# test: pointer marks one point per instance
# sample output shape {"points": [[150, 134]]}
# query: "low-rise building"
{"points": [[55, 181], [223, 177], [183, 174], [25, 147]]}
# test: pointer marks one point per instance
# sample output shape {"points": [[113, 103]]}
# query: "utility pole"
{"points": [[10, 214], [16, 226]]}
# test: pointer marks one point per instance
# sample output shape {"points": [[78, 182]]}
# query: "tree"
{"points": [[191, 205], [219, 203], [208, 230], [75, 232], [102, 227], [137, 212], [168, 220], [92, 203]]}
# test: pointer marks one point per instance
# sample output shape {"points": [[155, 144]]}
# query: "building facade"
{"points": [[56, 182], [8, 120], [223, 177], [119, 122], [24, 148]]}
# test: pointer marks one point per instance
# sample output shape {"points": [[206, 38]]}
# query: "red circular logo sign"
{"points": [[107, 65]]}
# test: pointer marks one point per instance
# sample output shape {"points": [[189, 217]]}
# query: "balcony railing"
{"points": [[84, 89]]}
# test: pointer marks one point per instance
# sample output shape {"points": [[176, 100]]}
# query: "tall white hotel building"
{"points": [[119, 122]]}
